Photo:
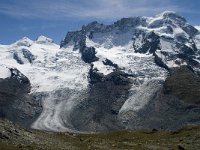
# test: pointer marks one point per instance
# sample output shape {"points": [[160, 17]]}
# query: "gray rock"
{"points": [[16, 104]]}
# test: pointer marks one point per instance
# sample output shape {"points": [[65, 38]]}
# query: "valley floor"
{"points": [[13, 137]]}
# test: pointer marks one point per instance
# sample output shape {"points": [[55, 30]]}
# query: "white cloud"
{"points": [[101, 9]]}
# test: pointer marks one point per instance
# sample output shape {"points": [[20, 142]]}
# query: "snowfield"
{"points": [[51, 67], [4, 72]]}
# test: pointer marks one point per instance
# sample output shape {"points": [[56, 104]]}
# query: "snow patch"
{"points": [[105, 69], [4, 72], [197, 27]]}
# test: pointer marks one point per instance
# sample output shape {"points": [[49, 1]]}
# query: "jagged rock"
{"points": [[17, 83]]}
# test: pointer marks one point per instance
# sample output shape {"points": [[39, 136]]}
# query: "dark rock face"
{"points": [[184, 84], [15, 102], [192, 31], [94, 76], [17, 83], [117, 77], [79, 40], [150, 44], [88, 54], [185, 50], [110, 63]]}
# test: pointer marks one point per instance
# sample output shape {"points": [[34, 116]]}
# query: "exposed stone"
{"points": [[184, 84], [110, 63], [15, 102], [88, 54]]}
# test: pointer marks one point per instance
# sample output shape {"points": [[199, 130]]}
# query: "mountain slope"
{"points": [[110, 77]]}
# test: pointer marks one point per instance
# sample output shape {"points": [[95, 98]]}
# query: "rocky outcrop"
{"points": [[110, 63], [16, 104], [184, 84], [88, 54], [19, 56]]}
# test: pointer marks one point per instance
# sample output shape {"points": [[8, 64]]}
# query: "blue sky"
{"points": [[54, 18]]}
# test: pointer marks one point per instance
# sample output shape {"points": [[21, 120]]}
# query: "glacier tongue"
{"points": [[57, 104]]}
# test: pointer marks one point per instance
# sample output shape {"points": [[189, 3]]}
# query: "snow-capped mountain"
{"points": [[102, 77]]}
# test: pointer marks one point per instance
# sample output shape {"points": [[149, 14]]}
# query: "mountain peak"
{"points": [[171, 15], [25, 41], [43, 40]]}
